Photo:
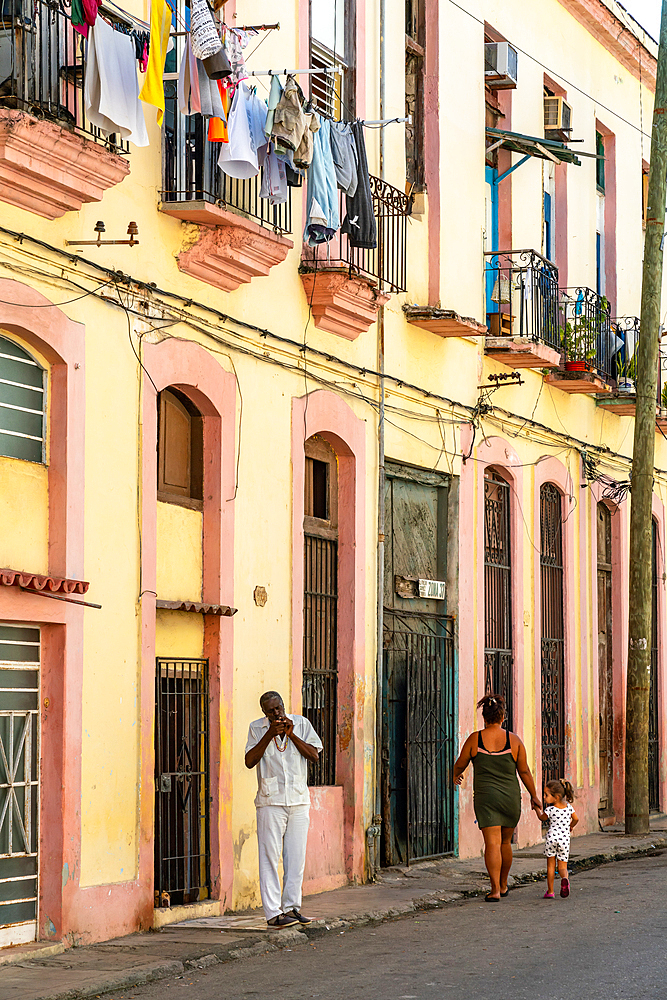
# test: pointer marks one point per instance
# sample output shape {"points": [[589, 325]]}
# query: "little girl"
{"points": [[562, 819]]}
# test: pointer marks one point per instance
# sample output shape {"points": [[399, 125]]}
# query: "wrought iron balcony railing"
{"points": [[588, 342], [387, 264], [42, 67], [522, 296], [190, 172], [626, 330]]}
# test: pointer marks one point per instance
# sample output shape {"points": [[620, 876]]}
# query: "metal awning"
{"points": [[530, 145]]}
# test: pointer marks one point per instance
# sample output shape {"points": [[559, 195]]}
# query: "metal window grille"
{"points": [[653, 720], [42, 65], [585, 330], [421, 649], [552, 645], [22, 396], [19, 774], [387, 264], [182, 785], [522, 293], [190, 172], [320, 651], [498, 653]]}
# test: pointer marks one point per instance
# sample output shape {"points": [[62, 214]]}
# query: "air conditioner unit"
{"points": [[500, 65], [557, 118]]}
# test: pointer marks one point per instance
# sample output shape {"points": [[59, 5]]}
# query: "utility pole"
{"points": [[640, 604]]}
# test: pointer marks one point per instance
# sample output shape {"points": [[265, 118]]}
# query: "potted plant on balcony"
{"points": [[576, 343], [627, 375]]}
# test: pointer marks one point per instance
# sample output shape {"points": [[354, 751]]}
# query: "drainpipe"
{"points": [[375, 830]]}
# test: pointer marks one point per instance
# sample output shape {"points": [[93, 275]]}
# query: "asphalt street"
{"points": [[608, 940]]}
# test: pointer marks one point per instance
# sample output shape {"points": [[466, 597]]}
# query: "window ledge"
{"points": [[188, 502], [230, 250], [50, 170]]}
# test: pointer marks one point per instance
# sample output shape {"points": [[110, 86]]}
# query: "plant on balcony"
{"points": [[626, 374], [576, 343]]}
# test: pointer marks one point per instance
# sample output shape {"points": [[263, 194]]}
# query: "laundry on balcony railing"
{"points": [[43, 67], [588, 341], [522, 296]]}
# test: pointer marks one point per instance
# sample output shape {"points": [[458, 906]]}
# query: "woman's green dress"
{"points": [[495, 787]]}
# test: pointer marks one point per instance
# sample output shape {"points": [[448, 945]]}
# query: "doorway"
{"points": [[19, 783], [553, 633], [182, 784], [419, 683], [605, 663]]}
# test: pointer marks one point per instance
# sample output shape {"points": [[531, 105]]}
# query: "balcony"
{"points": [[522, 309], [623, 398], [588, 343], [242, 236], [345, 286], [52, 160]]}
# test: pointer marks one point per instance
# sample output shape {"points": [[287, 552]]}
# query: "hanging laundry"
{"points": [[206, 42], [238, 157], [235, 42], [141, 41], [275, 94], [344, 152], [289, 120], [84, 15], [359, 223], [111, 89], [303, 157], [209, 95], [274, 178], [152, 91], [189, 101], [217, 127], [322, 218]]}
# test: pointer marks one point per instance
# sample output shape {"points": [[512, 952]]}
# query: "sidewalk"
{"points": [[34, 972]]}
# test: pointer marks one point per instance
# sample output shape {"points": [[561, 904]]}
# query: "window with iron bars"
{"points": [[320, 605], [332, 24]]}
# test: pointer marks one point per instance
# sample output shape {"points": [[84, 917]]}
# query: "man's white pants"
{"points": [[281, 830]]}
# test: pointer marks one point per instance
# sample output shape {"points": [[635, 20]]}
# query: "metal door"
{"points": [[553, 665], [182, 795], [498, 654], [19, 783], [653, 731], [605, 672], [418, 692]]}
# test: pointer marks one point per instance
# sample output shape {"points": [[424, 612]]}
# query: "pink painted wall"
{"points": [[432, 146], [326, 414], [325, 854], [609, 214]]}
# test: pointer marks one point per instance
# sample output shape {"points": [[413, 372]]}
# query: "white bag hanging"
{"points": [[203, 32]]}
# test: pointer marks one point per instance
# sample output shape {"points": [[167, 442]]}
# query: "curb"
{"points": [[287, 939]]}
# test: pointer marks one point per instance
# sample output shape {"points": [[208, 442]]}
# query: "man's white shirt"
{"points": [[282, 774]]}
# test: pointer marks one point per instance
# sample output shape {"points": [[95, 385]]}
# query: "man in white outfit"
{"points": [[280, 746]]}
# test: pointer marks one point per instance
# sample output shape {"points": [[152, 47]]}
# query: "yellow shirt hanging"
{"points": [[152, 91]]}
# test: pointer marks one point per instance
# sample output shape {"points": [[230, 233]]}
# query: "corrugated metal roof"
{"points": [[531, 145]]}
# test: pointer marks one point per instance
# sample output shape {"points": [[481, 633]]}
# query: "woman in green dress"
{"points": [[497, 757]]}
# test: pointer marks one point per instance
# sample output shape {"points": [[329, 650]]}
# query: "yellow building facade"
{"points": [[214, 444]]}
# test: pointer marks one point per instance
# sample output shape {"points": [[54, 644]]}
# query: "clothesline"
{"points": [[236, 27], [313, 71]]}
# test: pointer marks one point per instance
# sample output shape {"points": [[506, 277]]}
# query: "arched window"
{"points": [[553, 632], [180, 450], [22, 387], [498, 651], [320, 604]]}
